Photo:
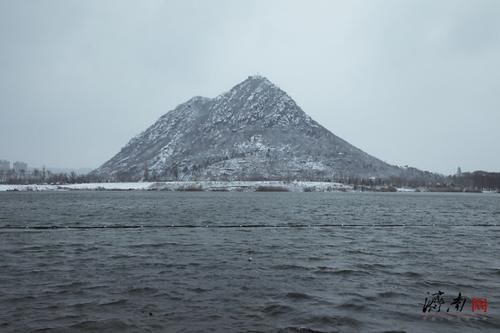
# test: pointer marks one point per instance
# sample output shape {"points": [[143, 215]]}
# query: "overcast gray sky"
{"points": [[410, 82]]}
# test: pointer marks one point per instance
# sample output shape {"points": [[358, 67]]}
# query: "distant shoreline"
{"points": [[222, 186]]}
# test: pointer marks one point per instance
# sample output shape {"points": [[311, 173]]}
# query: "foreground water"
{"points": [[246, 262]]}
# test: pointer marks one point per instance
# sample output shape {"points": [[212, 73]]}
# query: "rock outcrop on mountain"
{"points": [[255, 131]]}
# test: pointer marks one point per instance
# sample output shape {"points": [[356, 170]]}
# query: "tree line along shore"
{"points": [[477, 181]]}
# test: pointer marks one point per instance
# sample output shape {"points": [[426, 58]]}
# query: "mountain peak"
{"points": [[254, 83], [258, 78], [254, 99]]}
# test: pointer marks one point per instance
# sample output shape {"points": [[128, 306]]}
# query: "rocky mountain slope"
{"points": [[255, 131]]}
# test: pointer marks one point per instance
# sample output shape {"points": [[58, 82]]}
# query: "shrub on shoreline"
{"points": [[267, 188]]}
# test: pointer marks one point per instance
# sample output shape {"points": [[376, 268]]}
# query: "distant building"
{"points": [[4, 165], [20, 166]]}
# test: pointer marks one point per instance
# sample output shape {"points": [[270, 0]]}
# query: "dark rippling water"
{"points": [[246, 262]]}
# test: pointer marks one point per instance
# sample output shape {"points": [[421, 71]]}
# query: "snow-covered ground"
{"points": [[489, 192], [406, 189], [191, 186], [89, 186], [108, 186], [32, 187]]}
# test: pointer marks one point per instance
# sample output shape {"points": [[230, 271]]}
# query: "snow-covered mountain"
{"points": [[255, 131]]}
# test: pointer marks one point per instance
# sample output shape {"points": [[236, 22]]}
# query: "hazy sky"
{"points": [[410, 82]]}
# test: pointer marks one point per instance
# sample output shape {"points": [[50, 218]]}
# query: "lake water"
{"points": [[247, 262]]}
